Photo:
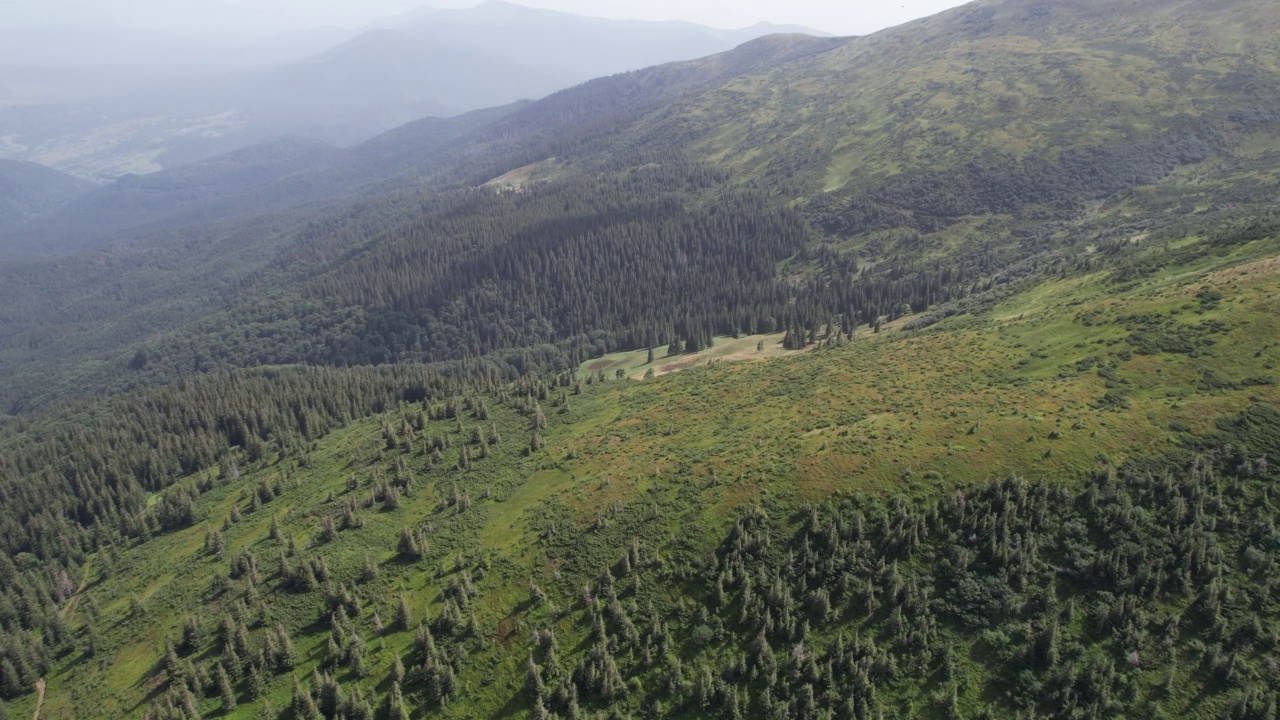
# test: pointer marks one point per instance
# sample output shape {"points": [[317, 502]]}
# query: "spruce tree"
{"points": [[10, 680], [255, 683], [368, 570], [395, 708], [404, 616], [225, 690], [409, 546]]}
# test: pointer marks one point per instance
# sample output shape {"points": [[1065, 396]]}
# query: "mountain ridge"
{"points": [[894, 161], [29, 189], [353, 91], [266, 177]]}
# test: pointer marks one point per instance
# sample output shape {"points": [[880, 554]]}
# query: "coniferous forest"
{"points": [[927, 374]]}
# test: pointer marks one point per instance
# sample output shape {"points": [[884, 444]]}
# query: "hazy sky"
{"points": [[257, 17]]}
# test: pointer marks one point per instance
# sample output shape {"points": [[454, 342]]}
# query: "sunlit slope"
{"points": [[996, 83], [973, 140], [1061, 382]]}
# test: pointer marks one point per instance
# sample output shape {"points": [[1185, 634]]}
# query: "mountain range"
{"points": [[274, 175], [436, 63], [879, 142]]}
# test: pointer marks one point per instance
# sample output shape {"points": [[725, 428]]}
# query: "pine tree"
{"points": [[304, 705], [225, 691], [10, 680], [255, 684], [192, 634], [391, 499], [409, 546], [172, 666], [368, 570], [404, 617], [395, 706], [328, 530], [288, 659]]}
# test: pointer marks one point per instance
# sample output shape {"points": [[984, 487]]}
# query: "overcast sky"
{"points": [[257, 17]]}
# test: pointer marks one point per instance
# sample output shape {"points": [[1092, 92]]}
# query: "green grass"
{"points": [[635, 364]]}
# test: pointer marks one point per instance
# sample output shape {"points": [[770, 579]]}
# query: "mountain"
{"points": [[28, 189], [187, 195], [163, 274], [444, 63], [275, 175], [926, 374], [581, 47], [867, 140]]}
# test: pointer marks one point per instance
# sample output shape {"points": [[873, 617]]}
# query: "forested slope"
{"points": [[927, 162], [28, 189], [409, 455], [831, 532]]}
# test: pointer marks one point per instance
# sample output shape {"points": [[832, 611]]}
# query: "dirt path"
{"points": [[39, 698]]}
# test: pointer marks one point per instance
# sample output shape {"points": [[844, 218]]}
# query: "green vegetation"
{"points": [[486, 513], [27, 189], [946, 158], [722, 400]]}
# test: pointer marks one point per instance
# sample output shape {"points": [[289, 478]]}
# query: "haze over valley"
{"points": [[99, 102]]}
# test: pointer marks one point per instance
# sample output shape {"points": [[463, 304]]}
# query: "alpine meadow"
{"points": [[923, 374]]}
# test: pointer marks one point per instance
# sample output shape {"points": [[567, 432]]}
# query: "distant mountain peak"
{"points": [[785, 29]]}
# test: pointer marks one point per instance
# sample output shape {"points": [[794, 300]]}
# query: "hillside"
{"points": [[76, 322], [452, 61], [1022, 176], [28, 189], [930, 374], [924, 221], [445, 63], [664, 532], [268, 177]]}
